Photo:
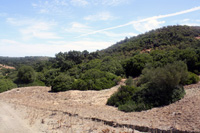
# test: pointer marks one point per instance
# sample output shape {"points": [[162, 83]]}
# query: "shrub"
{"points": [[62, 83], [157, 87], [192, 78], [98, 80], [122, 96], [79, 84], [6, 84]]}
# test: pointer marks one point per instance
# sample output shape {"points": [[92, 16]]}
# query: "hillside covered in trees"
{"points": [[163, 60]]}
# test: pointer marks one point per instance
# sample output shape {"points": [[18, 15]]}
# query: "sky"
{"points": [[47, 27]]}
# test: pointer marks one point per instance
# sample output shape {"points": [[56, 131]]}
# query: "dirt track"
{"points": [[85, 111], [11, 121]]}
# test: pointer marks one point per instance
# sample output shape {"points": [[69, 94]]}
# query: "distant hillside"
{"points": [[17, 61], [164, 38]]}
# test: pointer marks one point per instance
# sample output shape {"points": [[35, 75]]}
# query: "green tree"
{"points": [[26, 74], [135, 65]]}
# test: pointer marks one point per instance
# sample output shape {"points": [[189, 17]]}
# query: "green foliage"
{"points": [[166, 37], [6, 84], [192, 78], [50, 75], [161, 83], [111, 65], [35, 83], [148, 52], [26, 74], [97, 80], [62, 83], [156, 87], [79, 84], [135, 65], [122, 96]]}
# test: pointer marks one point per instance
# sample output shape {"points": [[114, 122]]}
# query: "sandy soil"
{"points": [[11, 120], [6, 67], [85, 111]]}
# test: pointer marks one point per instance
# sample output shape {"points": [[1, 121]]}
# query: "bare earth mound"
{"points": [[85, 111]]}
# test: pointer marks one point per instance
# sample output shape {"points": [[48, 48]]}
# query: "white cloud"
{"points": [[31, 28], [76, 27], [144, 20], [17, 49], [147, 26], [79, 2], [105, 16]]}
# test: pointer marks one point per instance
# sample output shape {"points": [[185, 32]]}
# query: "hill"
{"points": [[170, 55], [157, 66], [164, 38]]}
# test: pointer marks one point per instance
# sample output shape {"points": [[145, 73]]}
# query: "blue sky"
{"points": [[46, 27]]}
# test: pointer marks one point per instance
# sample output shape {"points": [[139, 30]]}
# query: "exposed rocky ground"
{"points": [[86, 111]]}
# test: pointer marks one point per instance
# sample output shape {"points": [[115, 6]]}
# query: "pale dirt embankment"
{"points": [[85, 111]]}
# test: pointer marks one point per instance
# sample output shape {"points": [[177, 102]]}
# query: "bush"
{"points": [[6, 84], [192, 78], [79, 84], [62, 83], [26, 74], [98, 80], [122, 96], [161, 83], [157, 87]]}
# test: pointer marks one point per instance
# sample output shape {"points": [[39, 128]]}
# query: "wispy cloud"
{"points": [[51, 6], [145, 20], [110, 2], [105, 16]]}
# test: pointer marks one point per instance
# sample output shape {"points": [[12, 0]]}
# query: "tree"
{"points": [[26, 74], [135, 65]]}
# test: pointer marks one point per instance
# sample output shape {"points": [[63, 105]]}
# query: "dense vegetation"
{"points": [[164, 60], [155, 87]]}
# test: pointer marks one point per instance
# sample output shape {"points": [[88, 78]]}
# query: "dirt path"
{"points": [[11, 120]]}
